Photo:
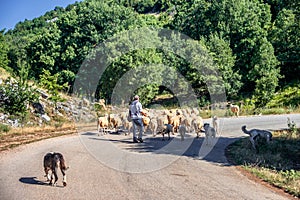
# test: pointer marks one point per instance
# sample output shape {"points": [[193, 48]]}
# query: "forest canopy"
{"points": [[254, 44]]}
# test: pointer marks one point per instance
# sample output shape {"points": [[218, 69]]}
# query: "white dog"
{"points": [[255, 134], [210, 133], [215, 123]]}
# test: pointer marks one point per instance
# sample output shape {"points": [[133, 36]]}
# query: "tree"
{"points": [[50, 83], [245, 24], [225, 60], [3, 51], [285, 37]]}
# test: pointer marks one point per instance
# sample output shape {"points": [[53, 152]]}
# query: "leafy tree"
{"points": [[225, 60], [50, 83], [3, 51], [245, 25], [66, 77], [285, 37]]}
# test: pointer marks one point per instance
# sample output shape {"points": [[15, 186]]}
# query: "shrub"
{"points": [[4, 128]]}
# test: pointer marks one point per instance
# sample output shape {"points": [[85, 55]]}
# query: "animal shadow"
{"points": [[35, 181], [32, 181]]}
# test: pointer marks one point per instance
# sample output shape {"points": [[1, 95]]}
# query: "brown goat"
{"points": [[235, 109]]}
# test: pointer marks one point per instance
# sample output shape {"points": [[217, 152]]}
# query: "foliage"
{"points": [[3, 51], [286, 97], [225, 60], [16, 94], [15, 97], [255, 60], [293, 128], [245, 39], [4, 128], [284, 36], [50, 83]]}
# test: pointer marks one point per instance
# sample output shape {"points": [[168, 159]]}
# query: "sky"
{"points": [[14, 11]]}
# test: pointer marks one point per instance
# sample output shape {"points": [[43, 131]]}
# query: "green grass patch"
{"points": [[277, 163]]}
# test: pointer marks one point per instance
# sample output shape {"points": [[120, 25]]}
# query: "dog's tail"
{"points": [[245, 130]]}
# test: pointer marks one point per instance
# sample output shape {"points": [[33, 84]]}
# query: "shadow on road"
{"points": [[35, 181], [215, 154], [32, 180]]}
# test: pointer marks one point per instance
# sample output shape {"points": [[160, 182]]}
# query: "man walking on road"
{"points": [[136, 116]]}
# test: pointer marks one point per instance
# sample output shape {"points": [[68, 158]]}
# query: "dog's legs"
{"points": [[54, 174], [51, 179], [64, 177], [47, 173]]}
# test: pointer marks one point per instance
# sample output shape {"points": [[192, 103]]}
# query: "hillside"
{"points": [[253, 44]]}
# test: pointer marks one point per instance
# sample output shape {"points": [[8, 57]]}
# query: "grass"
{"points": [[277, 163], [18, 136]]}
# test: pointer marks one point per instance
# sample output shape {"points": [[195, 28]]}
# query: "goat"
{"points": [[256, 134], [235, 109]]}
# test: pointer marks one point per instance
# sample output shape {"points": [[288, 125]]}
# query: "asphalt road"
{"points": [[112, 167]]}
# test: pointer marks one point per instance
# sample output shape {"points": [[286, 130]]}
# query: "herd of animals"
{"points": [[157, 122], [164, 122]]}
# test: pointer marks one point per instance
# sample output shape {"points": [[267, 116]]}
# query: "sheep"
{"points": [[153, 126], [197, 123], [102, 123], [127, 126], [161, 121], [174, 120], [146, 122], [182, 131], [186, 121], [114, 121], [235, 109]]}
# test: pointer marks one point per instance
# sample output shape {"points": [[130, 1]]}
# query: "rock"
{"points": [[43, 94], [45, 117], [39, 108]]}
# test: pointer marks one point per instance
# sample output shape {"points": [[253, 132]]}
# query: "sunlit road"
{"points": [[104, 167]]}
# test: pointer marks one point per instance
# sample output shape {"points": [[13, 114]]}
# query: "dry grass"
{"points": [[19, 136], [4, 74]]}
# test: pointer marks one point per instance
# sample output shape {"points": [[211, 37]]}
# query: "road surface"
{"points": [[112, 167]]}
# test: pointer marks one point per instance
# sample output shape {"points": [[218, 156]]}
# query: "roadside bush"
{"points": [[4, 128], [15, 96]]}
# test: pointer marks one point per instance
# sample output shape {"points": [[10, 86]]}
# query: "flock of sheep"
{"points": [[163, 122]]}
